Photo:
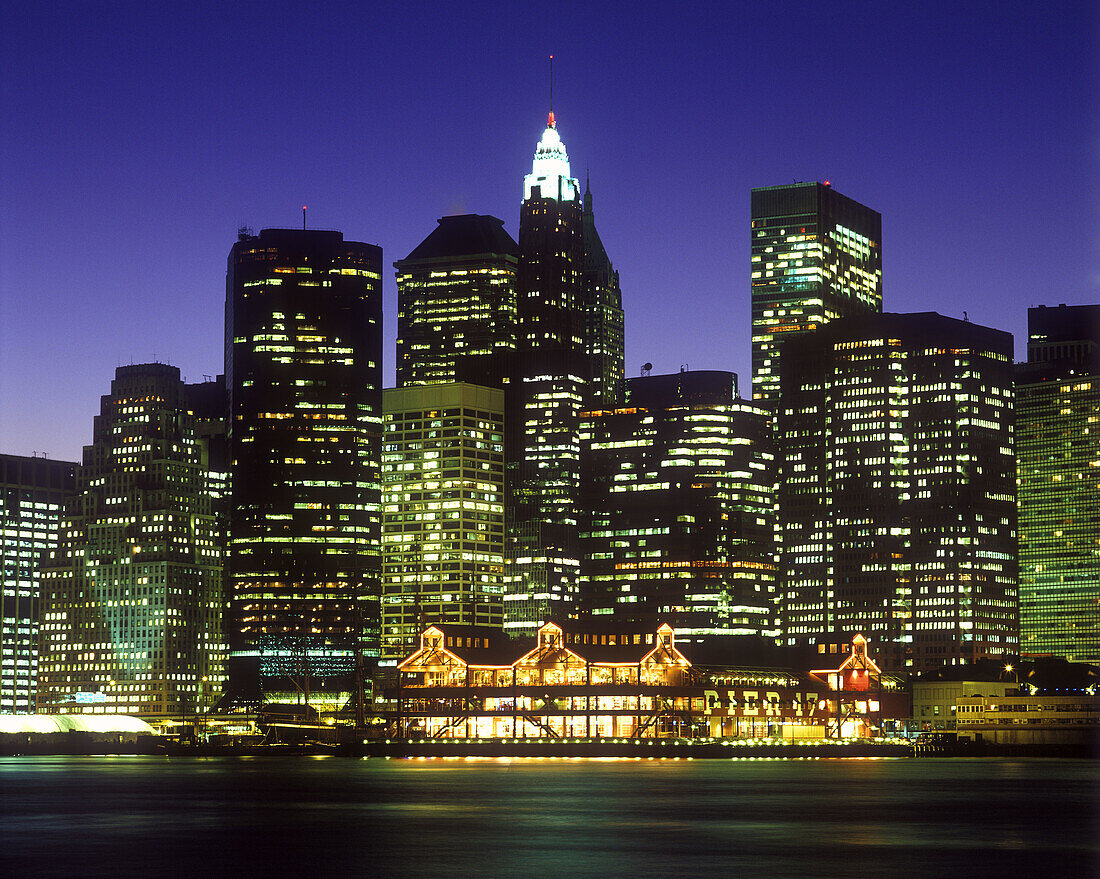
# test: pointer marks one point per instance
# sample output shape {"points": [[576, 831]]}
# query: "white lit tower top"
{"points": [[550, 170]]}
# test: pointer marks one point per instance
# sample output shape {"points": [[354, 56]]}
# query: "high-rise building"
{"points": [[1058, 450], [897, 498], [680, 508], [816, 256], [442, 510], [603, 307], [303, 372], [456, 304], [548, 386], [33, 493], [132, 593]]}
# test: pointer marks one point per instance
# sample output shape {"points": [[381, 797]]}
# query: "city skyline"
{"points": [[136, 148]]}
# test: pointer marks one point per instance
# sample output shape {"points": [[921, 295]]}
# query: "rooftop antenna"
{"points": [[303, 218], [550, 120]]}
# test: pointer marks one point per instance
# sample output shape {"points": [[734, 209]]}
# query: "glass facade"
{"points": [[442, 510], [132, 594], [679, 508], [897, 490], [33, 493], [303, 371], [816, 256], [1058, 444]]}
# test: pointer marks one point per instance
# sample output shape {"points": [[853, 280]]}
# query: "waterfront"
{"points": [[97, 816]]}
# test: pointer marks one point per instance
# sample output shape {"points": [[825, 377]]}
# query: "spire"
{"points": [[550, 119], [550, 170], [587, 191]]}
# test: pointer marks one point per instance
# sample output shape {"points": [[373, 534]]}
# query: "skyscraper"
{"points": [[442, 510], [897, 498], [816, 256], [547, 390], [1058, 447], [132, 592], [456, 304], [303, 371], [33, 495], [679, 523], [603, 307]]}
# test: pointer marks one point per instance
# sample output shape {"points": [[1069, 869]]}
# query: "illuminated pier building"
{"points": [[132, 593], [816, 256], [897, 498], [456, 304], [679, 508], [33, 493], [1058, 447], [442, 510], [548, 387], [303, 370]]}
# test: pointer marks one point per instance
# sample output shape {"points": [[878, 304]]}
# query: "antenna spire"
{"points": [[550, 118], [303, 218]]}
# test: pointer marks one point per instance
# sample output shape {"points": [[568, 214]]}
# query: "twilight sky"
{"points": [[137, 137]]}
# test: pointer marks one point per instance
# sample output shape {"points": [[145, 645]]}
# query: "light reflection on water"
{"points": [[577, 818]]}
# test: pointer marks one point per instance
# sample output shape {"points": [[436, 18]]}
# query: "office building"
{"points": [[442, 510], [456, 304], [679, 508], [546, 393], [1058, 449], [897, 498], [132, 592], [603, 308], [303, 373], [33, 493], [816, 257]]}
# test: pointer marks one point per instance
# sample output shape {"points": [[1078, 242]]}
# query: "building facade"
{"points": [[442, 510], [603, 309], [132, 593], [1058, 445], [456, 304], [33, 495], [680, 508], [816, 256], [897, 501], [546, 393], [303, 371]]}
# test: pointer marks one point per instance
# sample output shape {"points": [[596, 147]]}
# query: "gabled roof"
{"points": [[464, 236]]}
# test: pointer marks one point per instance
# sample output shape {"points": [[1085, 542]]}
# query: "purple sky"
{"points": [[137, 138]]}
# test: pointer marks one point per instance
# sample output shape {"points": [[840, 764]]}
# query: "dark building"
{"points": [[456, 304], [132, 592], [816, 256], [33, 494], [303, 370], [897, 497], [547, 391], [603, 307], [1058, 450], [679, 508]]}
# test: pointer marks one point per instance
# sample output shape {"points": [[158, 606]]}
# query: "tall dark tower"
{"points": [[816, 256], [548, 389], [303, 369], [603, 308]]}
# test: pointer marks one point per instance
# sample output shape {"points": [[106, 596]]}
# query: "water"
{"points": [[241, 817]]}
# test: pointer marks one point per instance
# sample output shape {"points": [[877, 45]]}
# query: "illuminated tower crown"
{"points": [[550, 170]]}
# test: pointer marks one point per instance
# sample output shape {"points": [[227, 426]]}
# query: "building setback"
{"points": [[603, 308], [33, 493], [816, 256], [132, 594], [1058, 448], [303, 371], [680, 519], [456, 304], [442, 510], [897, 499]]}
